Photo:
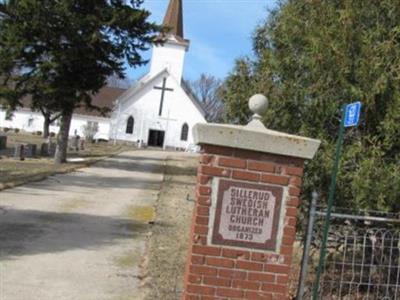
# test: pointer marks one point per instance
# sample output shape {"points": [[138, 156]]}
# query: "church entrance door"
{"points": [[156, 138]]}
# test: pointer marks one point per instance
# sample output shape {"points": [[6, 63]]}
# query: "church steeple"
{"points": [[174, 18], [171, 54]]}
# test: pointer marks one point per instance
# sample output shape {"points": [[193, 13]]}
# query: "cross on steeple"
{"points": [[163, 88]]}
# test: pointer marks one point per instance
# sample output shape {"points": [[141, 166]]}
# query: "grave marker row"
{"points": [[48, 149], [23, 151]]}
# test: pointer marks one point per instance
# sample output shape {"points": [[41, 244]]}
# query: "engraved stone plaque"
{"points": [[247, 215]]}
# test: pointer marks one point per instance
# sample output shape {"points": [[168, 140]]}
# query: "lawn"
{"points": [[14, 172]]}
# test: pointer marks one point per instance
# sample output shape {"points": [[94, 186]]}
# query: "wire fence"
{"points": [[363, 256], [362, 265]]}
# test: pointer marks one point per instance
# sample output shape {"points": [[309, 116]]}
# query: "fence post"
{"points": [[307, 245]]}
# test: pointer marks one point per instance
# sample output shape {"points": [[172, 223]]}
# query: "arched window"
{"points": [[129, 125], [184, 132]]}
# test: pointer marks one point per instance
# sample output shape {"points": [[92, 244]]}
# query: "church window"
{"points": [[184, 132], [129, 125]]}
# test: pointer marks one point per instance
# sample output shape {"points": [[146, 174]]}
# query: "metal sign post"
{"points": [[350, 117]]}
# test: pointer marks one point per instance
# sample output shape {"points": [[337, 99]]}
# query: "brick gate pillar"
{"points": [[244, 220]]}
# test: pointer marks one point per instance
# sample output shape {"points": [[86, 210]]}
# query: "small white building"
{"points": [[159, 110], [32, 121]]}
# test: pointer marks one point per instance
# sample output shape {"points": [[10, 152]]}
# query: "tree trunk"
{"points": [[46, 125], [62, 137]]}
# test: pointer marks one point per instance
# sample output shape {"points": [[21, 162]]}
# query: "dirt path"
{"points": [[79, 235]]}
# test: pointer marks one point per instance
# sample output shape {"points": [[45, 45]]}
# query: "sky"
{"points": [[219, 32]]}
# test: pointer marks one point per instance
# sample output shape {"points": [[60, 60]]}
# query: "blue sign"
{"points": [[352, 115]]}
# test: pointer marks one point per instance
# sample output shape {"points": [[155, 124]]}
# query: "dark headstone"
{"points": [[48, 148], [44, 149], [82, 145], [30, 150], [19, 152], [3, 142], [75, 143], [52, 149]]}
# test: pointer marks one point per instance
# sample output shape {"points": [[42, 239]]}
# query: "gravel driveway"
{"points": [[79, 235]]}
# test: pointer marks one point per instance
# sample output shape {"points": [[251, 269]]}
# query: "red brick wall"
{"points": [[221, 272]]}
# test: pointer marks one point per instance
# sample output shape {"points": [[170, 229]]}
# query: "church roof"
{"points": [[174, 18], [185, 86], [104, 99]]}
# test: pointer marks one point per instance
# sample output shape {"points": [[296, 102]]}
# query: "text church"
{"points": [[159, 110]]}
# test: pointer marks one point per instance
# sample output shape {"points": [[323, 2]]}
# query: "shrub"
{"points": [[52, 134], [16, 130], [6, 129], [39, 132]]}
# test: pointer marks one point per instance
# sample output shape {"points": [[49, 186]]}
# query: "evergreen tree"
{"points": [[310, 57], [62, 52]]}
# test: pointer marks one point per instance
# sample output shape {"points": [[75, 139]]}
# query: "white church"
{"points": [[158, 110]]}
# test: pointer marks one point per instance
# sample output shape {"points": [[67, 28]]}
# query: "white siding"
{"points": [[33, 121], [170, 57], [178, 109]]}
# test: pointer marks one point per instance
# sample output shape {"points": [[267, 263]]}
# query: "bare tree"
{"points": [[115, 81], [207, 89], [90, 129]]}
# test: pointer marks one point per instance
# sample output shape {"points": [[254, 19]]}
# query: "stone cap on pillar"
{"points": [[255, 136]]}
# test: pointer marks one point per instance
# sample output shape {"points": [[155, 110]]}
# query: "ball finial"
{"points": [[258, 104]]}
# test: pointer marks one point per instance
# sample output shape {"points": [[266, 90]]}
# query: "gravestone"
{"points": [[3, 142], [44, 149], [82, 145], [30, 150], [52, 149], [75, 143], [244, 223], [19, 152], [48, 148]]}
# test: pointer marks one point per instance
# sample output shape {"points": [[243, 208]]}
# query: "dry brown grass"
{"points": [[15, 172], [168, 244]]}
